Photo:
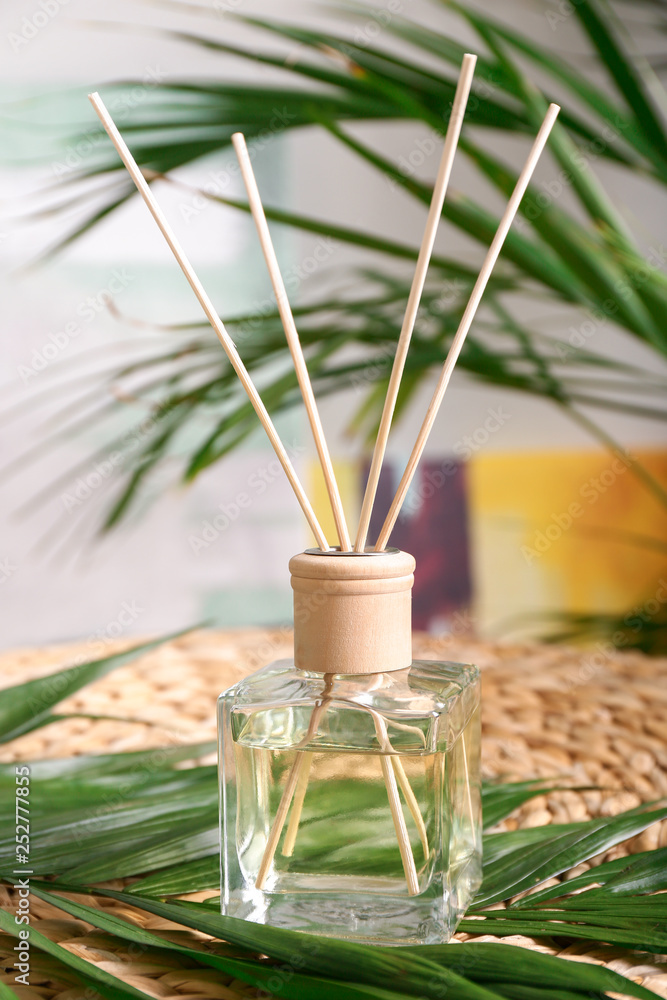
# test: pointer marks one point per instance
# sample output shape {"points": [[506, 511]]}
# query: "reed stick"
{"points": [[279, 820], [407, 857], [411, 802], [297, 784], [294, 344], [466, 322], [297, 778], [297, 805], [423, 260], [211, 314], [302, 787], [400, 828]]}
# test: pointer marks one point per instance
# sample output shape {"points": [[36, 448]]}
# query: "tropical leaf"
{"points": [[637, 874], [89, 975], [594, 16], [513, 864], [627, 927], [177, 880], [481, 971], [256, 973], [500, 799], [609, 902], [27, 706], [633, 630], [492, 963], [367, 82], [81, 830], [624, 127]]}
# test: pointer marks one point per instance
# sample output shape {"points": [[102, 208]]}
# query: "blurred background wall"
{"points": [[491, 517]]}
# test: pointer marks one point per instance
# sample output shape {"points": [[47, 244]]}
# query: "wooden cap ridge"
{"points": [[352, 611]]}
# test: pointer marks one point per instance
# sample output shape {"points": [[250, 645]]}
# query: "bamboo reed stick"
{"points": [[289, 326], [297, 805], [466, 322], [411, 802], [425, 251], [297, 778], [279, 820], [211, 314], [302, 787], [400, 828], [407, 857], [297, 783]]}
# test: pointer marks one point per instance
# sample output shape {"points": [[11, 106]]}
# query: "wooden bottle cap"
{"points": [[352, 611]]}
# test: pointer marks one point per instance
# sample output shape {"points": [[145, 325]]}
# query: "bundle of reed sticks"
{"points": [[393, 773]]}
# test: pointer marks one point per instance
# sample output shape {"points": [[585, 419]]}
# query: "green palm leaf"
{"points": [[481, 971], [639, 873], [623, 125], [256, 973], [515, 864], [27, 706], [595, 18], [88, 974]]}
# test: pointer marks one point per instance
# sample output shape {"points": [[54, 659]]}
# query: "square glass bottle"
{"points": [[349, 777]]}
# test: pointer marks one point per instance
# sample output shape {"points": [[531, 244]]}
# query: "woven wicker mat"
{"points": [[596, 717]]}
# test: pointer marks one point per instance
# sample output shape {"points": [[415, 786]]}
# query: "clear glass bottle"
{"points": [[350, 800]]}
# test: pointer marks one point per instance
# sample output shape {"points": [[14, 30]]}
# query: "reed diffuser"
{"points": [[349, 775]]}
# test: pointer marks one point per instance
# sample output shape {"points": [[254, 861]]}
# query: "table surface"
{"points": [[590, 717]]}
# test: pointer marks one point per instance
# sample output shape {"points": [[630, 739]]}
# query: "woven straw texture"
{"points": [[595, 717]]}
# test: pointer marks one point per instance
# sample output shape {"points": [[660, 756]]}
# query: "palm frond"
{"points": [[27, 706]]}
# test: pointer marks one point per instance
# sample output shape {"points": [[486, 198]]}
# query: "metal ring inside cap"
{"points": [[335, 551]]}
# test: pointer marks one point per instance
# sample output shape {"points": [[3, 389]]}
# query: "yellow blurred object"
{"points": [[564, 531], [348, 479]]}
